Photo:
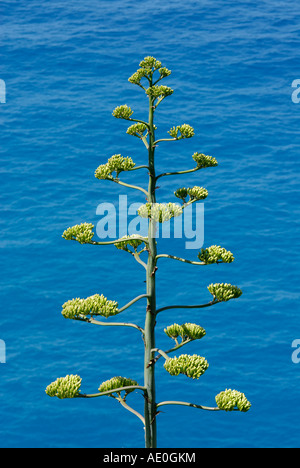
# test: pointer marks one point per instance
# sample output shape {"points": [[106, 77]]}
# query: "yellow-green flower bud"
{"points": [[137, 130], [204, 161], [173, 331], [159, 91], [224, 292], [191, 366], [181, 193], [65, 387], [231, 400], [150, 62], [192, 331], [138, 75], [82, 233], [164, 72], [187, 331], [117, 164], [123, 112], [185, 130], [117, 382], [160, 212], [93, 305], [197, 193], [215, 254]]}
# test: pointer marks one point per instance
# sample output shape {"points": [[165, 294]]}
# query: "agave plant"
{"points": [[148, 77]]}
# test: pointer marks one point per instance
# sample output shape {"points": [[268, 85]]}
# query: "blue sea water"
{"points": [[66, 65]]}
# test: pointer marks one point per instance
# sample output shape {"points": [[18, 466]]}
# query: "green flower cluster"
{"points": [[160, 212], [215, 254], [137, 130], [82, 233], [194, 193], [150, 63], [204, 161], [186, 131], [94, 305], [138, 75], [65, 387], [148, 66], [231, 400], [117, 164], [123, 112], [164, 72], [223, 292], [159, 91], [187, 331], [117, 382], [130, 241], [191, 366]]}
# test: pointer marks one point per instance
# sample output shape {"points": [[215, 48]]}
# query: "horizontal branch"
{"points": [[138, 167], [184, 403], [180, 259], [188, 306], [114, 324], [109, 392], [178, 172], [118, 241], [164, 139]]}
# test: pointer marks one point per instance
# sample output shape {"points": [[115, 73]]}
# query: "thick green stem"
{"points": [[149, 372]]}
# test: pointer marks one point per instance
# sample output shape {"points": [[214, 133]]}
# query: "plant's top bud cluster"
{"points": [[185, 130], [94, 305], [150, 63], [187, 331], [133, 241], [223, 292], [123, 112], [82, 233], [194, 193], [65, 387], [148, 66], [204, 161], [117, 382], [215, 254], [160, 212], [191, 366], [117, 164], [159, 91], [230, 400]]}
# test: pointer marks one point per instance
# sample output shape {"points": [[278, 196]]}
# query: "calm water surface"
{"points": [[66, 66]]}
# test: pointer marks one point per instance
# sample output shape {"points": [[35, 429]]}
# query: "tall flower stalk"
{"points": [[147, 77]]}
